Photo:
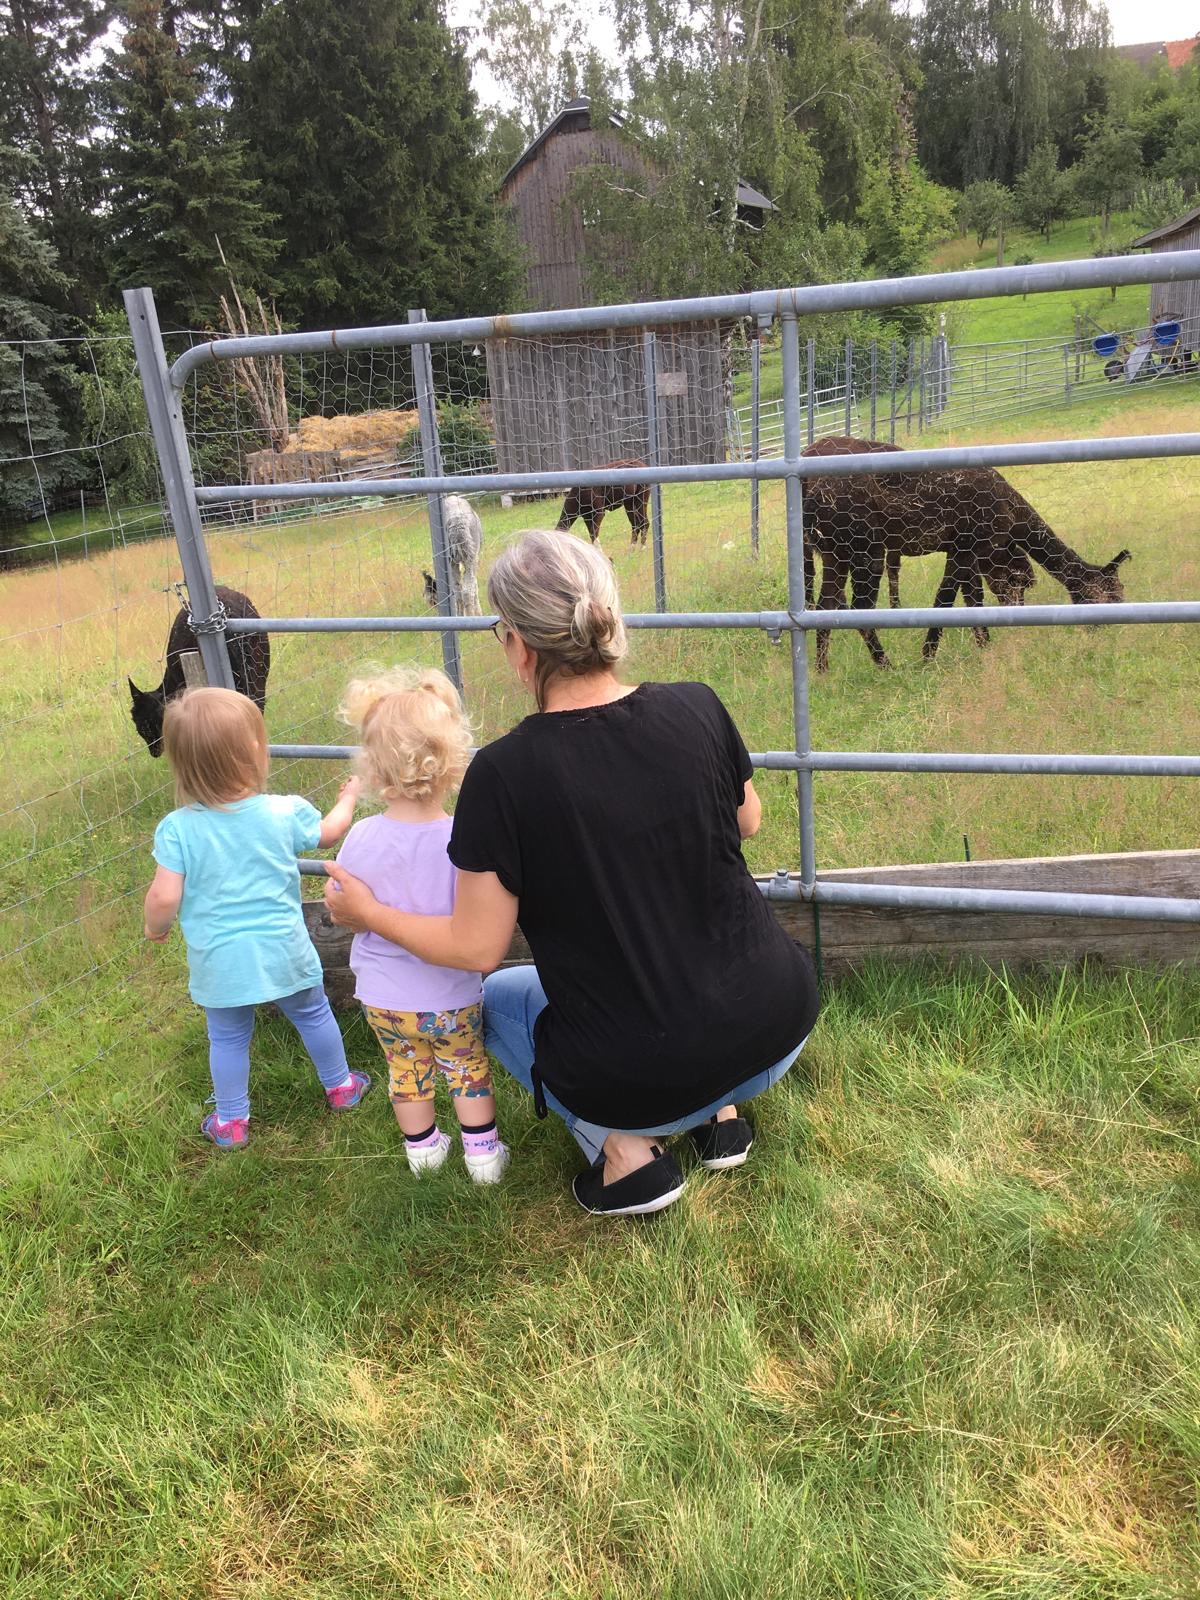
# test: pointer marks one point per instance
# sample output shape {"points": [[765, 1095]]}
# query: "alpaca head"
{"points": [[431, 594], [147, 713], [1101, 585]]}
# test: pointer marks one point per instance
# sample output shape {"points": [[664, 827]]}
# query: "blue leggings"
{"points": [[230, 1029], [512, 1001]]}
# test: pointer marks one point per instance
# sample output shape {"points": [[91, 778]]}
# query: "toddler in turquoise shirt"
{"points": [[227, 867]]}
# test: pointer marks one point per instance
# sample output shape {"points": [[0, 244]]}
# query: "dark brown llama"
{"points": [[249, 656], [591, 504], [987, 530]]}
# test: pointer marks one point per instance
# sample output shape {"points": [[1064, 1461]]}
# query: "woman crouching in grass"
{"points": [[609, 824]]}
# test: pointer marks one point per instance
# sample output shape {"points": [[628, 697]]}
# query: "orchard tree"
{"points": [[986, 208], [1109, 167], [176, 182], [1042, 192]]}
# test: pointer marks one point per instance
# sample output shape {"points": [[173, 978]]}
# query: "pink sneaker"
{"points": [[349, 1094], [229, 1135]]}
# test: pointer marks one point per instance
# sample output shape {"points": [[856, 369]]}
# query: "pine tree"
{"points": [[47, 116], [363, 130], [177, 183], [35, 380]]}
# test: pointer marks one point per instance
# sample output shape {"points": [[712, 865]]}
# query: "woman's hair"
{"points": [[414, 735], [560, 595], [216, 743]]}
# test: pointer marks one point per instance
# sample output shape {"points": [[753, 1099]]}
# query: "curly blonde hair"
{"points": [[415, 738]]}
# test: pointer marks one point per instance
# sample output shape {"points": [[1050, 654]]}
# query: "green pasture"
{"points": [[937, 1339]]}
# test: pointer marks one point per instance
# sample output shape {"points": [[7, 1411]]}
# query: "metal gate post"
{"points": [[170, 440], [794, 491], [431, 456], [650, 367], [755, 432]]}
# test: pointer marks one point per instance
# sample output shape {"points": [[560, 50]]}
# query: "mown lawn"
{"points": [[938, 1339]]}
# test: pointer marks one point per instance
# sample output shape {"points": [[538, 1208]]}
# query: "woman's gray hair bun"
{"points": [[560, 595]]}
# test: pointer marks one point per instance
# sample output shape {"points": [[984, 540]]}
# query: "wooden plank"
{"points": [[194, 675], [851, 936]]}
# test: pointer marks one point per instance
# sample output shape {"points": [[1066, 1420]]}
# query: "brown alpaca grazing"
{"points": [[249, 656], [988, 532], [591, 504]]}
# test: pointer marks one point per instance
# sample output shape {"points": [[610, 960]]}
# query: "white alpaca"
{"points": [[464, 536]]}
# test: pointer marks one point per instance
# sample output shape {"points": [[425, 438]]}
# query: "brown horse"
{"points": [[591, 504]]}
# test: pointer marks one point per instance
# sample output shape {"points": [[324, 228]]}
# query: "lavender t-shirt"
{"points": [[405, 865]]}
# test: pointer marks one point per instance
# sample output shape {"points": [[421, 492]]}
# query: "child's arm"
{"points": [[335, 824], [163, 899]]}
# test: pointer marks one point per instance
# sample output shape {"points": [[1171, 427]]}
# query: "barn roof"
{"points": [[1167, 230], [747, 195], [1173, 53]]}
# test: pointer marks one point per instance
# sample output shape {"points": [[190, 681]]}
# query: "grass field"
{"points": [[938, 1339]]}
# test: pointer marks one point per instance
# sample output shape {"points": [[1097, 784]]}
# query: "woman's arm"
{"points": [[749, 812], [474, 938], [163, 899]]}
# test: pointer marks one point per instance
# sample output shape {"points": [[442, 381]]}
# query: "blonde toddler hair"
{"points": [[560, 595], [415, 737], [216, 744]]}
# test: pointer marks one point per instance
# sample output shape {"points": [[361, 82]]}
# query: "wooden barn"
{"points": [[1178, 300], [580, 400], [548, 222]]}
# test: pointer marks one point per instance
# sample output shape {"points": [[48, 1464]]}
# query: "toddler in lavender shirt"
{"points": [[415, 742]]}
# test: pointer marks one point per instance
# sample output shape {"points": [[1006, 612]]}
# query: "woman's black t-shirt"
{"points": [[669, 980]]}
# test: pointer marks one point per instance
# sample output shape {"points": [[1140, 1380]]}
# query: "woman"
{"points": [[609, 824]]}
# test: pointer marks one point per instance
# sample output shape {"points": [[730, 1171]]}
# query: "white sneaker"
{"points": [[430, 1157], [488, 1169]]}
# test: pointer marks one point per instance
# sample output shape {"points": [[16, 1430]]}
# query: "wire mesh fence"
{"points": [[91, 596]]}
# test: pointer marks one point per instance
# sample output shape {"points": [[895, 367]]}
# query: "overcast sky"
{"points": [[1139, 21]]}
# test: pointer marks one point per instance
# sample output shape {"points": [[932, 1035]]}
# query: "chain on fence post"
{"points": [[170, 440], [755, 431], [431, 456], [794, 493], [649, 362]]}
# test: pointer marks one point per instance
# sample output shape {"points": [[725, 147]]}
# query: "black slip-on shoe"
{"points": [[651, 1188], [723, 1144]]}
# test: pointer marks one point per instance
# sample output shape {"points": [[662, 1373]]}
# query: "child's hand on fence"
{"points": [[351, 790]]}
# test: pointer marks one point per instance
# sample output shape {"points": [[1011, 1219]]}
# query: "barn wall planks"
{"points": [[580, 400], [851, 936], [1180, 300]]}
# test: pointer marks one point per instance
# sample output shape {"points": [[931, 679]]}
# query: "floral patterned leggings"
{"points": [[417, 1045]]}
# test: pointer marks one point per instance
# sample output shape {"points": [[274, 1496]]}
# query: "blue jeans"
{"points": [[230, 1029], [513, 998]]}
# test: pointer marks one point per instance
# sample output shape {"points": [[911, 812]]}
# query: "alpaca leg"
{"points": [[865, 577], [946, 595], [972, 589], [593, 516], [893, 578], [636, 508], [834, 571]]}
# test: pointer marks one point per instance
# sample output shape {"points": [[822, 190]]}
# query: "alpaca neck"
{"points": [[1059, 560]]}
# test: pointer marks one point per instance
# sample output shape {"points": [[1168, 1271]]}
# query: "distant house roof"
{"points": [[1173, 53], [1167, 230], [581, 108]]}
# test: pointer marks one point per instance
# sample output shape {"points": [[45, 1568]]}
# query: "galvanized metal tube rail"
{"points": [[1135, 612], [928, 289], [1004, 902], [1051, 452]]}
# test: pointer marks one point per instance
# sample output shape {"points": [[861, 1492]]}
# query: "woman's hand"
{"points": [[349, 902]]}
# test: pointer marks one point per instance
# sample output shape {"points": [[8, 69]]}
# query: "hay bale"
{"points": [[365, 430]]}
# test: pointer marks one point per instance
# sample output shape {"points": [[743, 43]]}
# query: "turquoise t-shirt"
{"points": [[240, 916]]}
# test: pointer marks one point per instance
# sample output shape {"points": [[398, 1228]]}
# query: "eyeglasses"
{"points": [[501, 630]]}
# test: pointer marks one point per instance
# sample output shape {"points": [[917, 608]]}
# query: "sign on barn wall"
{"points": [[579, 400]]}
